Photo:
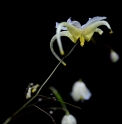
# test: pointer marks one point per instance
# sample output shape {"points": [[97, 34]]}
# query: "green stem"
{"points": [[10, 118], [58, 96], [60, 101], [45, 113], [92, 39]]}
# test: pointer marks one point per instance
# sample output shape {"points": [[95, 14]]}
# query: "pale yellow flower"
{"points": [[77, 31]]}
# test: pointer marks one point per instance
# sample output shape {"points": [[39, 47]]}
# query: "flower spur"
{"points": [[75, 31]]}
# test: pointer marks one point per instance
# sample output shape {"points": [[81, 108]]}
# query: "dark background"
{"points": [[26, 57]]}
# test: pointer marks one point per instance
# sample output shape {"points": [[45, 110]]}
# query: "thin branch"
{"points": [[60, 101], [45, 113], [10, 118]]}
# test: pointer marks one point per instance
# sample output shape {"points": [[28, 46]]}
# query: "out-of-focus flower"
{"points": [[31, 89], [80, 91], [114, 57], [84, 32], [68, 119], [34, 88]]}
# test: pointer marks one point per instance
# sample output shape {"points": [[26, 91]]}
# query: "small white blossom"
{"points": [[68, 119], [80, 91], [114, 57]]}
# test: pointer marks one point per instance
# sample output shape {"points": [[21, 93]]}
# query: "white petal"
{"points": [[85, 93], [68, 119], [63, 33], [63, 28], [114, 56], [98, 30], [89, 30], [69, 20], [28, 95], [75, 92], [92, 20], [76, 23], [56, 25]]}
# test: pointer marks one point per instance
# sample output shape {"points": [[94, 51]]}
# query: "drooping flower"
{"points": [[68, 119], [77, 31], [80, 91], [114, 57]]}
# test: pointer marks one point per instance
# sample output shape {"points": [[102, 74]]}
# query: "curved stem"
{"points": [[107, 46], [9, 119], [60, 101], [45, 113], [55, 108]]}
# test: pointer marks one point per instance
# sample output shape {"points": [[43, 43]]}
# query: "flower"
{"points": [[68, 119], [84, 32], [114, 57], [80, 91], [31, 89]]}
